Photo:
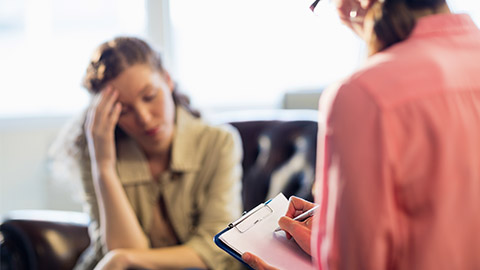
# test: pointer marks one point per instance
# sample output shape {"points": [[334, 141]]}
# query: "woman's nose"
{"points": [[143, 116]]}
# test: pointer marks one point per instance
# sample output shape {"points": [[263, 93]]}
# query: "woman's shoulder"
{"points": [[222, 134], [204, 136], [205, 129], [386, 78], [224, 130], [197, 140]]}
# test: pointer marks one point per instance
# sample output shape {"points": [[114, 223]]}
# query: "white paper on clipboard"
{"points": [[255, 233]]}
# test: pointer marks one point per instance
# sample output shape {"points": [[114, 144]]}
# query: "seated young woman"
{"points": [[159, 182]]}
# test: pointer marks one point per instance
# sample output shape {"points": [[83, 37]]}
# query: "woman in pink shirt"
{"points": [[398, 176]]}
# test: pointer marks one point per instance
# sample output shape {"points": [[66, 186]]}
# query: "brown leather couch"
{"points": [[279, 156]]}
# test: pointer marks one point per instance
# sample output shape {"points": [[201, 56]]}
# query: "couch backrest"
{"points": [[279, 156]]}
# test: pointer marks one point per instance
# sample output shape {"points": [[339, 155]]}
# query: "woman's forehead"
{"points": [[136, 79]]}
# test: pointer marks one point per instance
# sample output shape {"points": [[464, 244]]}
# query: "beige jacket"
{"points": [[202, 190]]}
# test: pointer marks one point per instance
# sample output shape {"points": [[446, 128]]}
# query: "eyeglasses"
{"points": [[314, 5]]}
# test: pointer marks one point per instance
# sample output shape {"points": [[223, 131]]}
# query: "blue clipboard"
{"points": [[236, 225], [226, 248], [255, 232]]}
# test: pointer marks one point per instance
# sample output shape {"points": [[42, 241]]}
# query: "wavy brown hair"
{"points": [[394, 20], [113, 57]]}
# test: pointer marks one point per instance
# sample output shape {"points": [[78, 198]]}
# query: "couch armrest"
{"points": [[43, 239]]}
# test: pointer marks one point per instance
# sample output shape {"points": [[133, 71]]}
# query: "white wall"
{"points": [[25, 181]]}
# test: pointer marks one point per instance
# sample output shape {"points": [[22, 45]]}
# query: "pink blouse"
{"points": [[400, 156]]}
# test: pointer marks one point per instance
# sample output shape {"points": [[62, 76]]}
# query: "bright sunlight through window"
{"points": [[45, 46], [225, 54], [233, 55], [244, 54]]}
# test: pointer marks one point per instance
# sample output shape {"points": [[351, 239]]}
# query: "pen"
{"points": [[303, 216]]}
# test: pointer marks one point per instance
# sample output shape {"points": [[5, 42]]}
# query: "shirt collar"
{"points": [[442, 24], [187, 134], [132, 165]]}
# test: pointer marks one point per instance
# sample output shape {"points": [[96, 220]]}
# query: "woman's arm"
{"points": [[177, 257], [353, 185], [221, 199], [119, 226]]}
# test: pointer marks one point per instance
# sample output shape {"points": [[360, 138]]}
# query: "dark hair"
{"points": [[394, 20], [113, 57]]}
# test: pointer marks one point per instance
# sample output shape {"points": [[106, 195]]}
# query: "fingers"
{"points": [[104, 109], [92, 111], [297, 206], [115, 115], [255, 262], [106, 104], [300, 231]]}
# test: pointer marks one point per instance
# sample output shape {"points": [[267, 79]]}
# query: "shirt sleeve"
{"points": [[223, 199], [96, 250], [70, 154], [355, 229]]}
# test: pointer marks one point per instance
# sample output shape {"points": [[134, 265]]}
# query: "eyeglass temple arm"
{"points": [[312, 7]]}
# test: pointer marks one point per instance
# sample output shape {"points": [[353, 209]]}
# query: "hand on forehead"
{"points": [[352, 12], [345, 6]]}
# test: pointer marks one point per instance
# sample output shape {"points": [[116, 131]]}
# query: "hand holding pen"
{"points": [[302, 217], [300, 231]]}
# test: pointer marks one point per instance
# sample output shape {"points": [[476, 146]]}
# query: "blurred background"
{"points": [[226, 55]]}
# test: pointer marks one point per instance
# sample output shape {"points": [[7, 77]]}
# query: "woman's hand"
{"points": [[255, 262], [300, 230], [352, 13], [102, 117]]}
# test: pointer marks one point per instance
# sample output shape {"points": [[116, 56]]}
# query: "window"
{"points": [[45, 46], [243, 54], [233, 55], [225, 54]]}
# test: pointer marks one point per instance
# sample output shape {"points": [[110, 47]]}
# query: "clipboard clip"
{"points": [[251, 218]]}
